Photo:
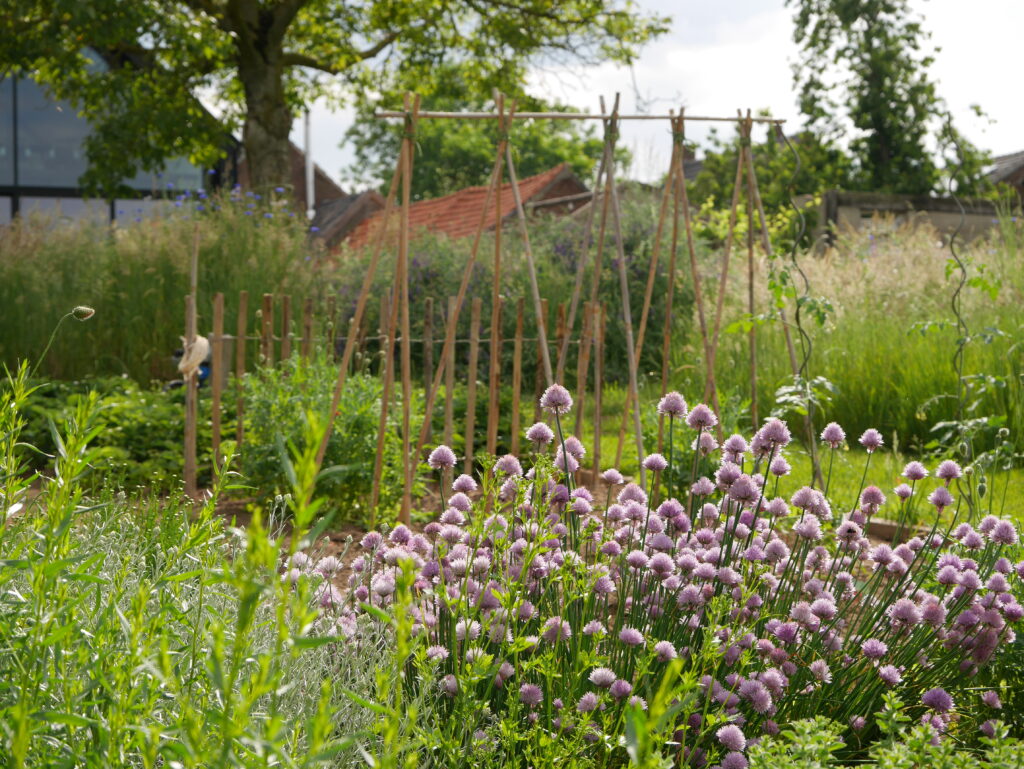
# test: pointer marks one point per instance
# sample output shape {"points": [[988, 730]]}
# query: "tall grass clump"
{"points": [[888, 333], [550, 622], [137, 631], [137, 276]]}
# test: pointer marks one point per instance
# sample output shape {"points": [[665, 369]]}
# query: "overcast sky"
{"points": [[729, 54]]}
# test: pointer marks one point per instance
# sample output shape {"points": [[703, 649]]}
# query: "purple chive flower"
{"points": [[871, 439], [701, 417], [575, 447], [938, 700], [665, 651], [904, 613], [556, 629], [991, 699], [588, 703], [631, 636], [672, 405], [530, 695], [874, 649], [702, 487], [820, 670], [594, 627], [890, 675], [872, 497], [775, 431], [779, 467], [734, 760], [735, 444], [602, 677], [1004, 533], [744, 490], [509, 465], [915, 471], [612, 477], [731, 737], [556, 400], [632, 493], [464, 484], [441, 457], [372, 540], [833, 435], [948, 471], [941, 498], [903, 491], [620, 689], [655, 463], [540, 434], [449, 685]]}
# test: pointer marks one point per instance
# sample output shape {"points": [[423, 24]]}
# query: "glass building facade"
{"points": [[42, 156]]}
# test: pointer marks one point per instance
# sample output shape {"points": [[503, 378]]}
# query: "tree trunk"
{"points": [[268, 122]]}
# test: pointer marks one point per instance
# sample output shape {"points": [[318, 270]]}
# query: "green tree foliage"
{"points": [[881, 87], [453, 154], [261, 60]]}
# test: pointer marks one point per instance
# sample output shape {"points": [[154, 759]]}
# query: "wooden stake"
{"points": [[216, 374], [666, 338], [448, 364], [332, 328], [517, 376], [364, 292], [627, 319], [652, 271], [191, 392], [599, 323], [428, 347], [581, 264], [531, 266], [493, 405], [267, 331], [449, 335], [408, 460], [538, 388], [582, 364], [752, 335], [388, 343], [241, 337], [307, 327], [474, 353], [286, 327]]}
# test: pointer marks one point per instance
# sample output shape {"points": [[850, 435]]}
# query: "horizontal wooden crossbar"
{"points": [[388, 114]]}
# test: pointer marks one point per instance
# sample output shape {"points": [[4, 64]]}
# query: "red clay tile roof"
{"points": [[458, 214]]}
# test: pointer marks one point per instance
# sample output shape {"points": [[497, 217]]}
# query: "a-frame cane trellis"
{"points": [[605, 197]]}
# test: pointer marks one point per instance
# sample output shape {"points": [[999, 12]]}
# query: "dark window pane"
{"points": [[177, 175], [6, 131], [50, 136], [5, 210]]}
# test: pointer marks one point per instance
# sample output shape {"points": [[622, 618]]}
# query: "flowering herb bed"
{"points": [[531, 612]]}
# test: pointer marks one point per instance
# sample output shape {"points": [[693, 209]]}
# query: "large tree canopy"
{"points": [[864, 65], [261, 60]]}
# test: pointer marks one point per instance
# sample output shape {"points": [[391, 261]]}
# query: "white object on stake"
{"points": [[310, 194]]}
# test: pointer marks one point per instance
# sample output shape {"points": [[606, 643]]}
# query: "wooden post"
{"points": [[531, 267], [331, 337], [216, 374], [538, 388], [627, 318], [474, 352], [388, 343], [582, 364], [267, 331], [428, 349], [493, 405], [286, 327], [241, 338], [449, 336], [364, 293], [409, 462], [744, 129], [191, 391], [449, 375], [599, 322], [382, 332], [517, 376], [307, 327], [652, 272], [666, 340], [752, 335]]}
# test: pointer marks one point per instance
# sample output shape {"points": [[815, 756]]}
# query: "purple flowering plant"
{"points": [[729, 608]]}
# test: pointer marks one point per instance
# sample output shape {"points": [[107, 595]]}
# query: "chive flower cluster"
{"points": [[533, 601]]}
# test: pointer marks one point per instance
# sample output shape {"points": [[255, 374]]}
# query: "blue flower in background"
{"points": [[278, 189], [268, 215], [314, 229]]}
